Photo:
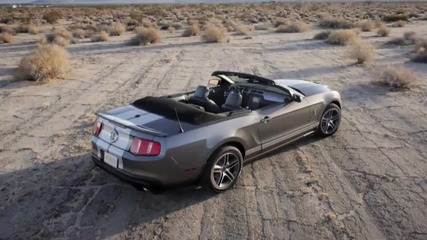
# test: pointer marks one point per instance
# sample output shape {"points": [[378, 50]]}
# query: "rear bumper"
{"points": [[145, 182]]}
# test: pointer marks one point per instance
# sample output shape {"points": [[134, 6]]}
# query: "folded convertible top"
{"points": [[169, 108]]}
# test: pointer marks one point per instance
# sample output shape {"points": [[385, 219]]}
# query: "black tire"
{"points": [[327, 128], [219, 159]]}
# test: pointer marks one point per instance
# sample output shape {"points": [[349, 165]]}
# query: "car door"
{"points": [[281, 122]]}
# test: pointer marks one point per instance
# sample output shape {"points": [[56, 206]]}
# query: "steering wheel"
{"points": [[233, 88]]}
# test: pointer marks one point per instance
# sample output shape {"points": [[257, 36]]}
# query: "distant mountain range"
{"points": [[54, 2]]}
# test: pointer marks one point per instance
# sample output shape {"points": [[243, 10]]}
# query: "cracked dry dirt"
{"points": [[366, 182]]}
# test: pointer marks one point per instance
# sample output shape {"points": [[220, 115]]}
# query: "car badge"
{"points": [[114, 135]]}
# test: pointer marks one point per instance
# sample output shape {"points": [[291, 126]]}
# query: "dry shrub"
{"points": [[420, 57], [146, 36], [177, 26], [100, 37], [361, 51], [322, 35], [215, 34], [261, 26], [408, 38], [335, 23], [80, 33], [397, 77], [396, 17], [398, 24], [342, 37], [383, 31], [117, 29], [6, 37], [280, 22], [192, 30], [33, 29], [59, 36], [295, 27], [366, 26], [420, 45], [243, 29], [47, 62], [7, 29]]}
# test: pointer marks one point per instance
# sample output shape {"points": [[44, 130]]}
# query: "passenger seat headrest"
{"points": [[234, 99], [201, 92]]}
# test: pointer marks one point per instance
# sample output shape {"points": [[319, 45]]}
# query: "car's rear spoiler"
{"points": [[131, 125]]}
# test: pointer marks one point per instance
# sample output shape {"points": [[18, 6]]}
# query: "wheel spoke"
{"points": [[332, 124], [220, 179], [335, 117], [217, 169], [229, 175], [232, 165]]}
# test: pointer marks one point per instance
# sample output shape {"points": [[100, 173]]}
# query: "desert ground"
{"points": [[368, 181]]}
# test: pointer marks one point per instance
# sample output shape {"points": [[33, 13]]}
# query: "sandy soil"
{"points": [[366, 182]]}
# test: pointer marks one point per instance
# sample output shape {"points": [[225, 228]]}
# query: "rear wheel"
{"points": [[223, 169], [330, 120]]}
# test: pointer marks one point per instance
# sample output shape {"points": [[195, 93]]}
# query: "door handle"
{"points": [[266, 119]]}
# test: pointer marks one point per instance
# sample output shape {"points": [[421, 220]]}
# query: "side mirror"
{"points": [[213, 82], [296, 98]]}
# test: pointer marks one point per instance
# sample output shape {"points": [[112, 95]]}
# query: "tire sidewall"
{"points": [[210, 163]]}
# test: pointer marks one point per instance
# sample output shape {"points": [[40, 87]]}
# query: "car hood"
{"points": [[305, 87]]}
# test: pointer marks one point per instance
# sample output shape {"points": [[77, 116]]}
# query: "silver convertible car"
{"points": [[205, 136]]}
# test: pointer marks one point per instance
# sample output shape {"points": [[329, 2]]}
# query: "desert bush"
{"points": [[117, 29], [215, 34], [280, 22], [398, 24], [335, 23], [177, 26], [146, 36], [7, 29], [52, 17], [79, 33], [366, 26], [6, 37], [47, 62], [191, 30], [342, 37], [261, 26], [322, 35], [383, 31], [396, 17], [33, 29], [420, 45], [397, 77], [100, 37], [361, 51], [420, 57], [59, 36], [295, 27], [243, 29]]}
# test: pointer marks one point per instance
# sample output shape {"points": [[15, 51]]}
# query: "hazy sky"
{"points": [[151, 1]]}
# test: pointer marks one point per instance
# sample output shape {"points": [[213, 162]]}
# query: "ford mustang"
{"points": [[205, 136]]}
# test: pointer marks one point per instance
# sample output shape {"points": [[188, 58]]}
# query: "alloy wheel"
{"points": [[225, 171], [330, 121]]}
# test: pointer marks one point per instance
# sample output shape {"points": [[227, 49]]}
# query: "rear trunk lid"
{"points": [[117, 125]]}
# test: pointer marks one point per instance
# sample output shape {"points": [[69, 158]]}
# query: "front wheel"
{"points": [[330, 120], [223, 169]]}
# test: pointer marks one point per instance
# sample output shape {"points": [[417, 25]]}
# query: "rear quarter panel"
{"points": [[192, 149]]}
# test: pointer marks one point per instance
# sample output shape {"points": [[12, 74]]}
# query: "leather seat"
{"points": [[200, 98], [233, 102]]}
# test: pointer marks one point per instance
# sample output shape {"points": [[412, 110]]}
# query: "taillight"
{"points": [[145, 147], [97, 128]]}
